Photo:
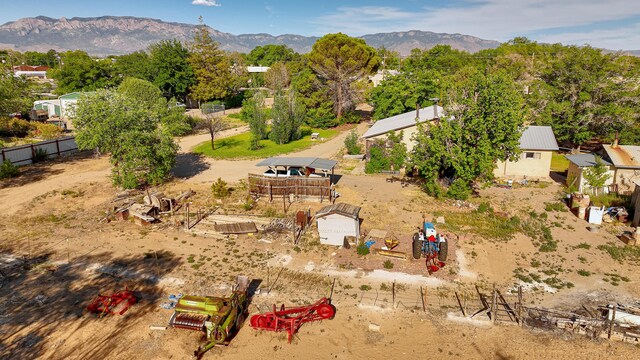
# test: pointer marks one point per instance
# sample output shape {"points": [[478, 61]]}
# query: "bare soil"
{"points": [[57, 255]]}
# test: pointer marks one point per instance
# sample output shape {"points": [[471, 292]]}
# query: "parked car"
{"points": [[292, 171]]}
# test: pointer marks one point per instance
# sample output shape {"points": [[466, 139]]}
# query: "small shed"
{"points": [[337, 221], [579, 163]]}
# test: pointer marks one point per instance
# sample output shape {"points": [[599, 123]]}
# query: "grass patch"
{"points": [[238, 146], [484, 223], [557, 206], [582, 272], [622, 253], [583, 246], [611, 199], [559, 163]]}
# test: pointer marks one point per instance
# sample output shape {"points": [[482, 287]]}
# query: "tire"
{"points": [[326, 311], [444, 249], [417, 247]]}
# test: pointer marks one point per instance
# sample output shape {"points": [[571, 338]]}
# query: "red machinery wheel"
{"points": [[326, 311]]}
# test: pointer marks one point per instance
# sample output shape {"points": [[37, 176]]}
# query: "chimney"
{"points": [[417, 112], [616, 141]]}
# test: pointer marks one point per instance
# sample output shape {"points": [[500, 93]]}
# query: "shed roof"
{"points": [[347, 210], [402, 121], [624, 156], [585, 160], [538, 138], [309, 162], [71, 96]]}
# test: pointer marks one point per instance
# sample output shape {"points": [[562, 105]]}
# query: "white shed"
{"points": [[337, 221]]}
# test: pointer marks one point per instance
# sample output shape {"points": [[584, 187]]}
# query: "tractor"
{"points": [[219, 318], [433, 246]]}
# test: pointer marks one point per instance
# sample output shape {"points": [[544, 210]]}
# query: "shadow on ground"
{"points": [[189, 165], [40, 298]]}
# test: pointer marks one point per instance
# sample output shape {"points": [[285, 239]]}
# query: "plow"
{"points": [[117, 303], [219, 318], [291, 319]]}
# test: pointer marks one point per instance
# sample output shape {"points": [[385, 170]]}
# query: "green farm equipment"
{"points": [[219, 318]]}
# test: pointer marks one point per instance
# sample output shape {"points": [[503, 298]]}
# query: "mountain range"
{"points": [[117, 35]]}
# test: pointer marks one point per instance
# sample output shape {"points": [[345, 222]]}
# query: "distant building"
{"points": [[537, 144], [626, 161], [337, 221], [68, 104], [39, 72], [257, 69], [52, 107], [578, 164], [407, 123], [382, 75]]}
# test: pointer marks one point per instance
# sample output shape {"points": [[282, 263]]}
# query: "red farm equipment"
{"points": [[291, 319], [118, 303], [433, 246]]}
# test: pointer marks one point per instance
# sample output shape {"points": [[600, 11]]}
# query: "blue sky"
{"points": [[613, 24]]}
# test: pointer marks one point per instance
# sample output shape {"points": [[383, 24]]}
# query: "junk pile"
{"points": [[581, 206], [148, 210]]}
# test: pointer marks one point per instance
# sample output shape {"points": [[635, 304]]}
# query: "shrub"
{"points": [[362, 249], [12, 127], [220, 189], [46, 131], [485, 207], [378, 161], [40, 155], [388, 264], [8, 170], [351, 143], [459, 190], [365, 287], [582, 272]]}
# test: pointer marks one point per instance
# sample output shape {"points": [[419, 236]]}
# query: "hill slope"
{"points": [[114, 35]]}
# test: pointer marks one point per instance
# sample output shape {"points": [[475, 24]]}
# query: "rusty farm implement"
{"points": [[291, 319], [219, 318]]}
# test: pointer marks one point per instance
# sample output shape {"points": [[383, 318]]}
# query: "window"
{"points": [[531, 155]]}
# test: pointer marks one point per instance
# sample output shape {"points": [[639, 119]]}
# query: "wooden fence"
{"points": [[285, 187], [25, 154]]}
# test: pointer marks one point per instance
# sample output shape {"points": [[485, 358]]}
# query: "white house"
{"points": [[407, 123], [257, 69], [337, 221], [580, 162], [537, 144]]}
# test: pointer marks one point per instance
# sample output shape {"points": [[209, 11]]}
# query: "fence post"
{"points": [[494, 305], [58, 147], [3, 157], [613, 320], [33, 153], [393, 293]]}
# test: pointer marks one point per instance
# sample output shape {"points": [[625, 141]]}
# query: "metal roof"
{"points": [[347, 210], [401, 121], [624, 156], [72, 96], [538, 138], [585, 160], [308, 162]]}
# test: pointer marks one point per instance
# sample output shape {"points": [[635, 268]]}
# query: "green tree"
{"points": [[14, 93], [141, 153], [136, 64], [287, 117], [254, 112], [144, 92], [341, 61], [402, 93], [314, 96], [277, 77], [268, 55], [213, 123], [80, 72], [351, 143], [210, 66], [483, 124], [170, 70], [596, 176]]}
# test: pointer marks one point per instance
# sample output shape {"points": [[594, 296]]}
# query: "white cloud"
{"points": [[206, 2], [491, 19]]}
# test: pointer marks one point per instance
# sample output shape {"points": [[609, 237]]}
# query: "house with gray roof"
{"points": [[537, 144], [407, 123], [578, 163]]}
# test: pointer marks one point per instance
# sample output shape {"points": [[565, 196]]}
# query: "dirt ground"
{"points": [[57, 255]]}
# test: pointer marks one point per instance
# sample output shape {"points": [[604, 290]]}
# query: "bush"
{"points": [[12, 127], [558, 206], [8, 170], [485, 207], [220, 189], [177, 123], [46, 131], [40, 155], [388, 264], [459, 190], [362, 249], [351, 143], [378, 161]]}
